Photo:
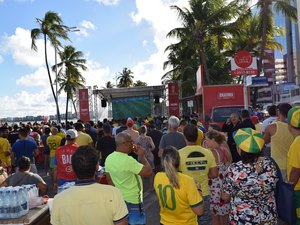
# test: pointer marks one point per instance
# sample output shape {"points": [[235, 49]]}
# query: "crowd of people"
{"points": [[201, 175]]}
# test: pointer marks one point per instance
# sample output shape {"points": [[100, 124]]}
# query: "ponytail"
{"points": [[171, 163]]}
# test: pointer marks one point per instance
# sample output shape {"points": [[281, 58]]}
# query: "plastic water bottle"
{"points": [[6, 204], [23, 201], [1, 203], [15, 207]]}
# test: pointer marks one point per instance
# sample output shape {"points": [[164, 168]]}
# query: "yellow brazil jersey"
{"points": [[62, 135], [280, 144], [5, 147], [293, 159], [196, 161], [176, 204], [53, 141], [83, 139], [200, 137]]}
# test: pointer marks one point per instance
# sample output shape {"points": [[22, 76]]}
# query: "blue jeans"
{"points": [[205, 219], [136, 214]]}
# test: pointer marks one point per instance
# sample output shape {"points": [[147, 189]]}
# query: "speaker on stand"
{"points": [[103, 103]]}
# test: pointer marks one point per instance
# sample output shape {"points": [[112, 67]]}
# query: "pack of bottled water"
{"points": [[15, 201], [65, 186]]}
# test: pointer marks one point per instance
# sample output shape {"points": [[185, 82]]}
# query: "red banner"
{"points": [[84, 112], [173, 99]]}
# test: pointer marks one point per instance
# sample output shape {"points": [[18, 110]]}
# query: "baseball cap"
{"points": [[249, 140], [294, 117], [71, 134], [130, 121]]}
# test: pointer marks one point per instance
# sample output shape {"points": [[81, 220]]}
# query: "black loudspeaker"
{"points": [[103, 103], [156, 99]]}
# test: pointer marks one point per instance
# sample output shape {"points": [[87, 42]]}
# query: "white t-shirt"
{"points": [[266, 123]]}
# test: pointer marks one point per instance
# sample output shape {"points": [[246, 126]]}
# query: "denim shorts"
{"points": [[136, 214]]}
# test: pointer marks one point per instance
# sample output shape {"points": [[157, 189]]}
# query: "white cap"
{"points": [[71, 134]]}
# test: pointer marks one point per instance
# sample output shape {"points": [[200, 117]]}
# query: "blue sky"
{"points": [[113, 34]]}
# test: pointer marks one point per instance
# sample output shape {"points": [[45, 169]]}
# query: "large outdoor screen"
{"points": [[131, 107]]}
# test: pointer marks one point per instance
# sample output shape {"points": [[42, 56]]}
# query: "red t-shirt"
{"points": [[62, 160]]}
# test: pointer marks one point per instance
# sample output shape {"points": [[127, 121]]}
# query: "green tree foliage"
{"points": [[70, 69], [51, 28], [125, 78]]}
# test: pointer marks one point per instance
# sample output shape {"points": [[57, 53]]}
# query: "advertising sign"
{"points": [[84, 110], [243, 64], [173, 90], [259, 82]]}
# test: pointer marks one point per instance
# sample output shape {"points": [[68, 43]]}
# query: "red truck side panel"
{"points": [[221, 95]]}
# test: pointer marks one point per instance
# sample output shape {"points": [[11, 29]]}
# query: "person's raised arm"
{"points": [[146, 170]]}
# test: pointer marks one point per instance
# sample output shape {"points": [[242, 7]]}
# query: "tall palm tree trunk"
{"points": [[75, 109], [67, 104], [50, 79], [204, 62], [267, 4]]}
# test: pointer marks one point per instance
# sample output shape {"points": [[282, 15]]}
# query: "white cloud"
{"points": [[162, 19], [41, 103], [1, 59], [37, 79], [88, 25], [25, 103], [19, 45], [96, 75], [145, 43], [108, 2], [85, 26]]}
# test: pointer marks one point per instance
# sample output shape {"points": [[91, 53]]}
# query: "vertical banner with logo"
{"points": [[84, 112], [173, 99]]}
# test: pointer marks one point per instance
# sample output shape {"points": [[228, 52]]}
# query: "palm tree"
{"points": [[266, 9], [51, 28], [139, 83], [205, 19], [109, 84], [70, 78], [126, 78]]}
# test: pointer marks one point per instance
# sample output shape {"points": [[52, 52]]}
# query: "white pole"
{"points": [[56, 83], [246, 106]]}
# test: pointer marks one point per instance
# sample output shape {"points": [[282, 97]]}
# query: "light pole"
{"points": [[56, 84]]}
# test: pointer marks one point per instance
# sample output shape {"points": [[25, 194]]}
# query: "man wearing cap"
{"points": [[280, 138], [133, 133], [63, 171], [250, 183], [293, 158]]}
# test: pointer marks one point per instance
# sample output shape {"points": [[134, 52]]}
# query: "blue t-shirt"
{"points": [[24, 148], [44, 141]]}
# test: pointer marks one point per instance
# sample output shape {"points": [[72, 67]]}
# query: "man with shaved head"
{"points": [[53, 141]]}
